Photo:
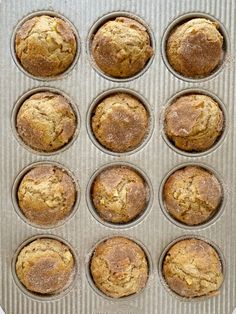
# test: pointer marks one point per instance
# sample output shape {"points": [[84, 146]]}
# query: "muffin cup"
{"points": [[219, 141], [126, 298], [52, 14], [213, 219], [47, 297], [108, 93], [17, 182], [161, 260], [182, 19], [111, 16], [27, 95], [134, 221]]}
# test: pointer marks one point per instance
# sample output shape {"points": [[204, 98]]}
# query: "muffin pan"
{"points": [[84, 85]]}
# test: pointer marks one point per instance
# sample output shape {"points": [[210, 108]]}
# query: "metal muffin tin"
{"points": [[155, 158]]}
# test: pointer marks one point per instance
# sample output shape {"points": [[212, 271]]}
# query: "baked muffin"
{"points": [[46, 121], [192, 195], [120, 122], [119, 267], [119, 194], [194, 122], [45, 266], [46, 195], [192, 268], [194, 48], [121, 47], [45, 46]]}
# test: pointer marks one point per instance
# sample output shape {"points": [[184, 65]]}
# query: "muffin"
{"points": [[45, 46], [119, 194], [120, 122], [45, 266], [46, 195], [192, 268], [46, 121], [119, 267], [194, 48], [194, 122], [121, 47], [192, 195]]}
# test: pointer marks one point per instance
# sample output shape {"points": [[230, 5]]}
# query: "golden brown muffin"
{"points": [[46, 121], [194, 122], [192, 195], [121, 47], [45, 266], [119, 194], [120, 122], [119, 267], [46, 195], [45, 46], [194, 49], [192, 268]]}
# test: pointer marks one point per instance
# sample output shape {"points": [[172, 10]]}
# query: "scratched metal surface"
{"points": [[83, 158]]}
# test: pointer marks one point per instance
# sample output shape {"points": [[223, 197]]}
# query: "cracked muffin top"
{"points": [[119, 194], [192, 268], [192, 195], [46, 121], [121, 47], [46, 195], [45, 46], [45, 266], [194, 122], [120, 122], [119, 267], [194, 49]]}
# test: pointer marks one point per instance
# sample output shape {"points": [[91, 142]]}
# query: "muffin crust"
{"points": [[120, 122], [119, 194], [194, 122], [46, 195], [119, 267], [192, 195], [45, 266], [46, 121], [45, 46], [192, 268], [194, 49], [121, 47]]}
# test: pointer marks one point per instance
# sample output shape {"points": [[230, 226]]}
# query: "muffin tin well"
{"points": [[126, 298], [182, 19], [52, 14], [27, 95], [163, 255], [47, 297], [108, 93], [18, 180], [137, 219], [103, 20], [213, 219], [185, 92]]}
